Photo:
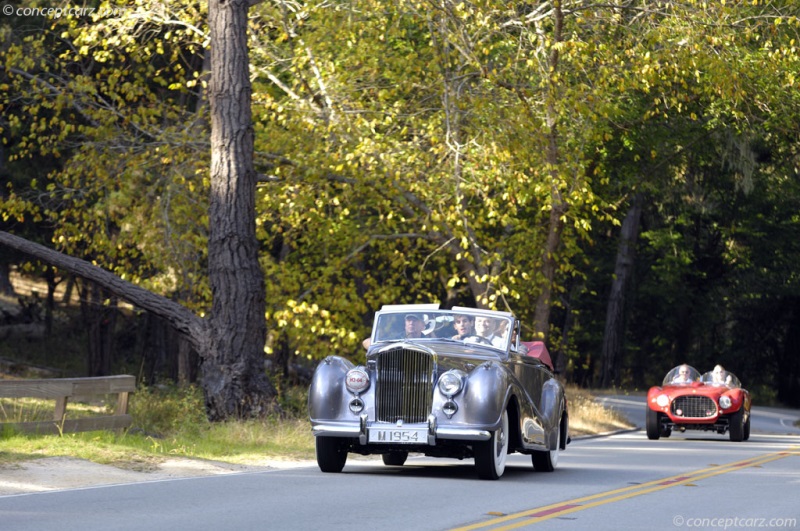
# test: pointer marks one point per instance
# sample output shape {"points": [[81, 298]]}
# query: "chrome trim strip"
{"points": [[362, 435], [463, 434], [336, 430], [431, 430]]}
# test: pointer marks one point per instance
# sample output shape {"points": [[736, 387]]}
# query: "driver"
{"points": [[683, 376], [414, 326], [464, 325]]}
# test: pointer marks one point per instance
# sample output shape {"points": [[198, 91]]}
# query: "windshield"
{"points": [[681, 375], [467, 325], [720, 377]]}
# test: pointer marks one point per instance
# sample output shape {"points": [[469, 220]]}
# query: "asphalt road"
{"points": [[610, 483]]}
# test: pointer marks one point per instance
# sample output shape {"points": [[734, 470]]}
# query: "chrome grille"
{"points": [[404, 386], [694, 407]]}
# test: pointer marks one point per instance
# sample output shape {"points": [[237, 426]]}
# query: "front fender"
{"points": [[652, 396], [739, 399], [550, 408], [327, 395], [485, 396]]}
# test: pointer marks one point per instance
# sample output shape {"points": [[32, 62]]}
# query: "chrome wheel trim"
{"points": [[501, 445]]}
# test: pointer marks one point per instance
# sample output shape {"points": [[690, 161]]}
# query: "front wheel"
{"points": [[653, 425], [547, 461], [747, 428], [490, 456], [737, 426], [331, 454]]}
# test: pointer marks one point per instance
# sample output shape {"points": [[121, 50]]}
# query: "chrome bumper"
{"points": [[359, 430]]}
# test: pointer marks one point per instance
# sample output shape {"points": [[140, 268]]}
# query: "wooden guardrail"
{"points": [[64, 389]]}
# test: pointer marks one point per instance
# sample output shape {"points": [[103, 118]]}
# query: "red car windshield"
{"points": [[720, 378], [682, 375]]}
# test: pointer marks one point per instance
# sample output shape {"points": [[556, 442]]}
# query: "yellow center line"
{"points": [[540, 514]]}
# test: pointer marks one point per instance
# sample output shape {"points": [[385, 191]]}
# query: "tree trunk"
{"points": [[152, 344], [100, 320], [50, 300], [541, 313], [611, 355], [234, 380], [67, 298], [559, 357], [6, 287], [181, 318], [788, 379], [187, 362], [231, 342]]}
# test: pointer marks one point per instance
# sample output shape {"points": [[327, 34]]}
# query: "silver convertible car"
{"points": [[452, 383]]}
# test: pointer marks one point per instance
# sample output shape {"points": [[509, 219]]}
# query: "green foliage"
{"points": [[112, 103], [168, 410], [405, 154], [412, 151]]}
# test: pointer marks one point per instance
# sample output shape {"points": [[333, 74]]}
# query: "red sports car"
{"points": [[686, 400]]}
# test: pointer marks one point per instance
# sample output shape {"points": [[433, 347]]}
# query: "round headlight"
{"points": [[662, 400], [356, 380], [725, 402], [451, 383]]}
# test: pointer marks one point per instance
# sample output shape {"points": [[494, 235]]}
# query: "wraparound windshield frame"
{"points": [[389, 324]]}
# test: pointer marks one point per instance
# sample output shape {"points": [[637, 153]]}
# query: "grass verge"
{"points": [[170, 422]]}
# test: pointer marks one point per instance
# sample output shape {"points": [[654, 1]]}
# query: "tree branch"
{"points": [[184, 321]]}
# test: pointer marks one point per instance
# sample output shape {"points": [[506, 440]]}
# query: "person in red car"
{"points": [[720, 376], [683, 376]]}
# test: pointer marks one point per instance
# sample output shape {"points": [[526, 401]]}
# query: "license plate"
{"points": [[398, 436]]}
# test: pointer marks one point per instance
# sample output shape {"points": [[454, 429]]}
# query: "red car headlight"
{"points": [[725, 402]]}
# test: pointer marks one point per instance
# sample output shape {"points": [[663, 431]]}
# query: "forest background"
{"points": [[623, 176]]}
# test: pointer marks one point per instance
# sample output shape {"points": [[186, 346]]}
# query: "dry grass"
{"points": [[587, 417], [38, 410]]}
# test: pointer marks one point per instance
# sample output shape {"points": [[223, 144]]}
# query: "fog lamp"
{"points": [[449, 408], [356, 405]]}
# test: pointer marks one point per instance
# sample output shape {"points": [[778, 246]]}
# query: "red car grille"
{"points": [[404, 386], [695, 407]]}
